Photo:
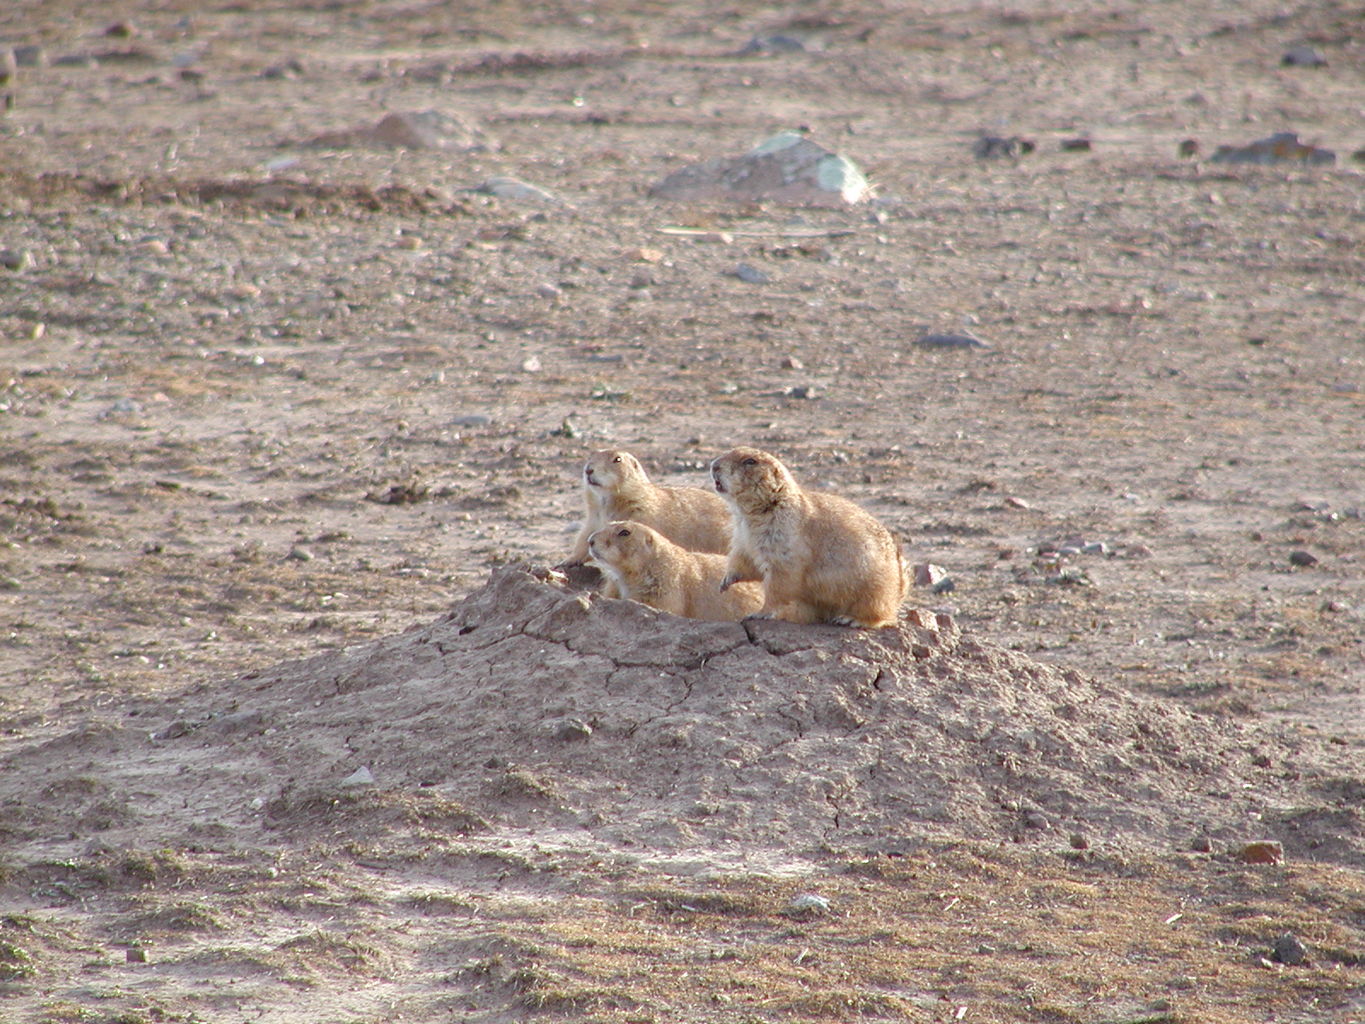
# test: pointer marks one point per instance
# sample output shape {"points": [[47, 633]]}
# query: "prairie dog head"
{"points": [[751, 480], [608, 470], [621, 547]]}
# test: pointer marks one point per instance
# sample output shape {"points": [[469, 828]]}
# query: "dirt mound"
{"points": [[536, 705]]}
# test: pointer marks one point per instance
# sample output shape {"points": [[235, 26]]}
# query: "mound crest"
{"points": [[536, 705]]}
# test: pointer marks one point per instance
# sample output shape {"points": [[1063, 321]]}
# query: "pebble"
{"points": [[471, 420], [792, 363], [1017, 503], [513, 188], [1077, 145], [1188, 148], [750, 274], [803, 391], [1079, 841], [1289, 950], [1036, 820], [17, 260], [548, 291], [30, 56], [299, 554], [950, 340], [573, 730], [1280, 148], [808, 904], [645, 255], [1262, 851], [1303, 57], [773, 43], [135, 955], [995, 147], [943, 587], [1097, 547], [1201, 844], [927, 574], [531, 364], [362, 776], [1302, 558]]}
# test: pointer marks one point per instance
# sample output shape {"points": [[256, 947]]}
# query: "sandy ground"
{"points": [[266, 401]]}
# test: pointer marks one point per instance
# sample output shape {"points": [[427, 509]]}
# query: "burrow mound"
{"points": [[536, 705]]}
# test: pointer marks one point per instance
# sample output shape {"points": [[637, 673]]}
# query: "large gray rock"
{"points": [[788, 168]]}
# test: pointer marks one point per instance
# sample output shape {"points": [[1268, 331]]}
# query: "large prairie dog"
{"points": [[821, 558], [616, 487], [648, 567]]}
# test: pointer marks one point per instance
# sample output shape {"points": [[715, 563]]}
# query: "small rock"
{"points": [[121, 30], [1013, 502], [135, 955], [787, 168], [1289, 950], [1262, 851], [994, 147], [644, 255], [1097, 547], [927, 574], [175, 730], [1303, 57], [290, 68], [808, 904], [774, 43], [803, 391], [416, 129], [573, 730], [30, 56], [950, 340], [362, 776], [1036, 820], [513, 188], [1188, 148], [1201, 844], [1302, 558], [1079, 145], [1079, 841], [750, 274], [471, 420], [946, 586], [17, 260], [792, 363], [531, 364], [548, 291], [299, 554], [1280, 148], [10, 583]]}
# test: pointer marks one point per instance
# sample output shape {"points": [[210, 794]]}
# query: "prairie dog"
{"points": [[648, 567], [616, 487], [821, 558]]}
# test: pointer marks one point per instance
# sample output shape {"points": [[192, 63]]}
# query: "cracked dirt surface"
{"points": [[267, 426]]}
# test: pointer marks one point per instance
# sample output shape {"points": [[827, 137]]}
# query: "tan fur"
{"points": [[616, 487], [821, 558], [648, 567]]}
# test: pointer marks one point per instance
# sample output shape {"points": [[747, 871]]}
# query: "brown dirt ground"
{"points": [[222, 379]]}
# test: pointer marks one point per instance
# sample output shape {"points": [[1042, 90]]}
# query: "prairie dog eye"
{"points": [[623, 533], [751, 462], [616, 459]]}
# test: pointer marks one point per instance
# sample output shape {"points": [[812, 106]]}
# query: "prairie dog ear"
{"points": [[649, 539]]}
